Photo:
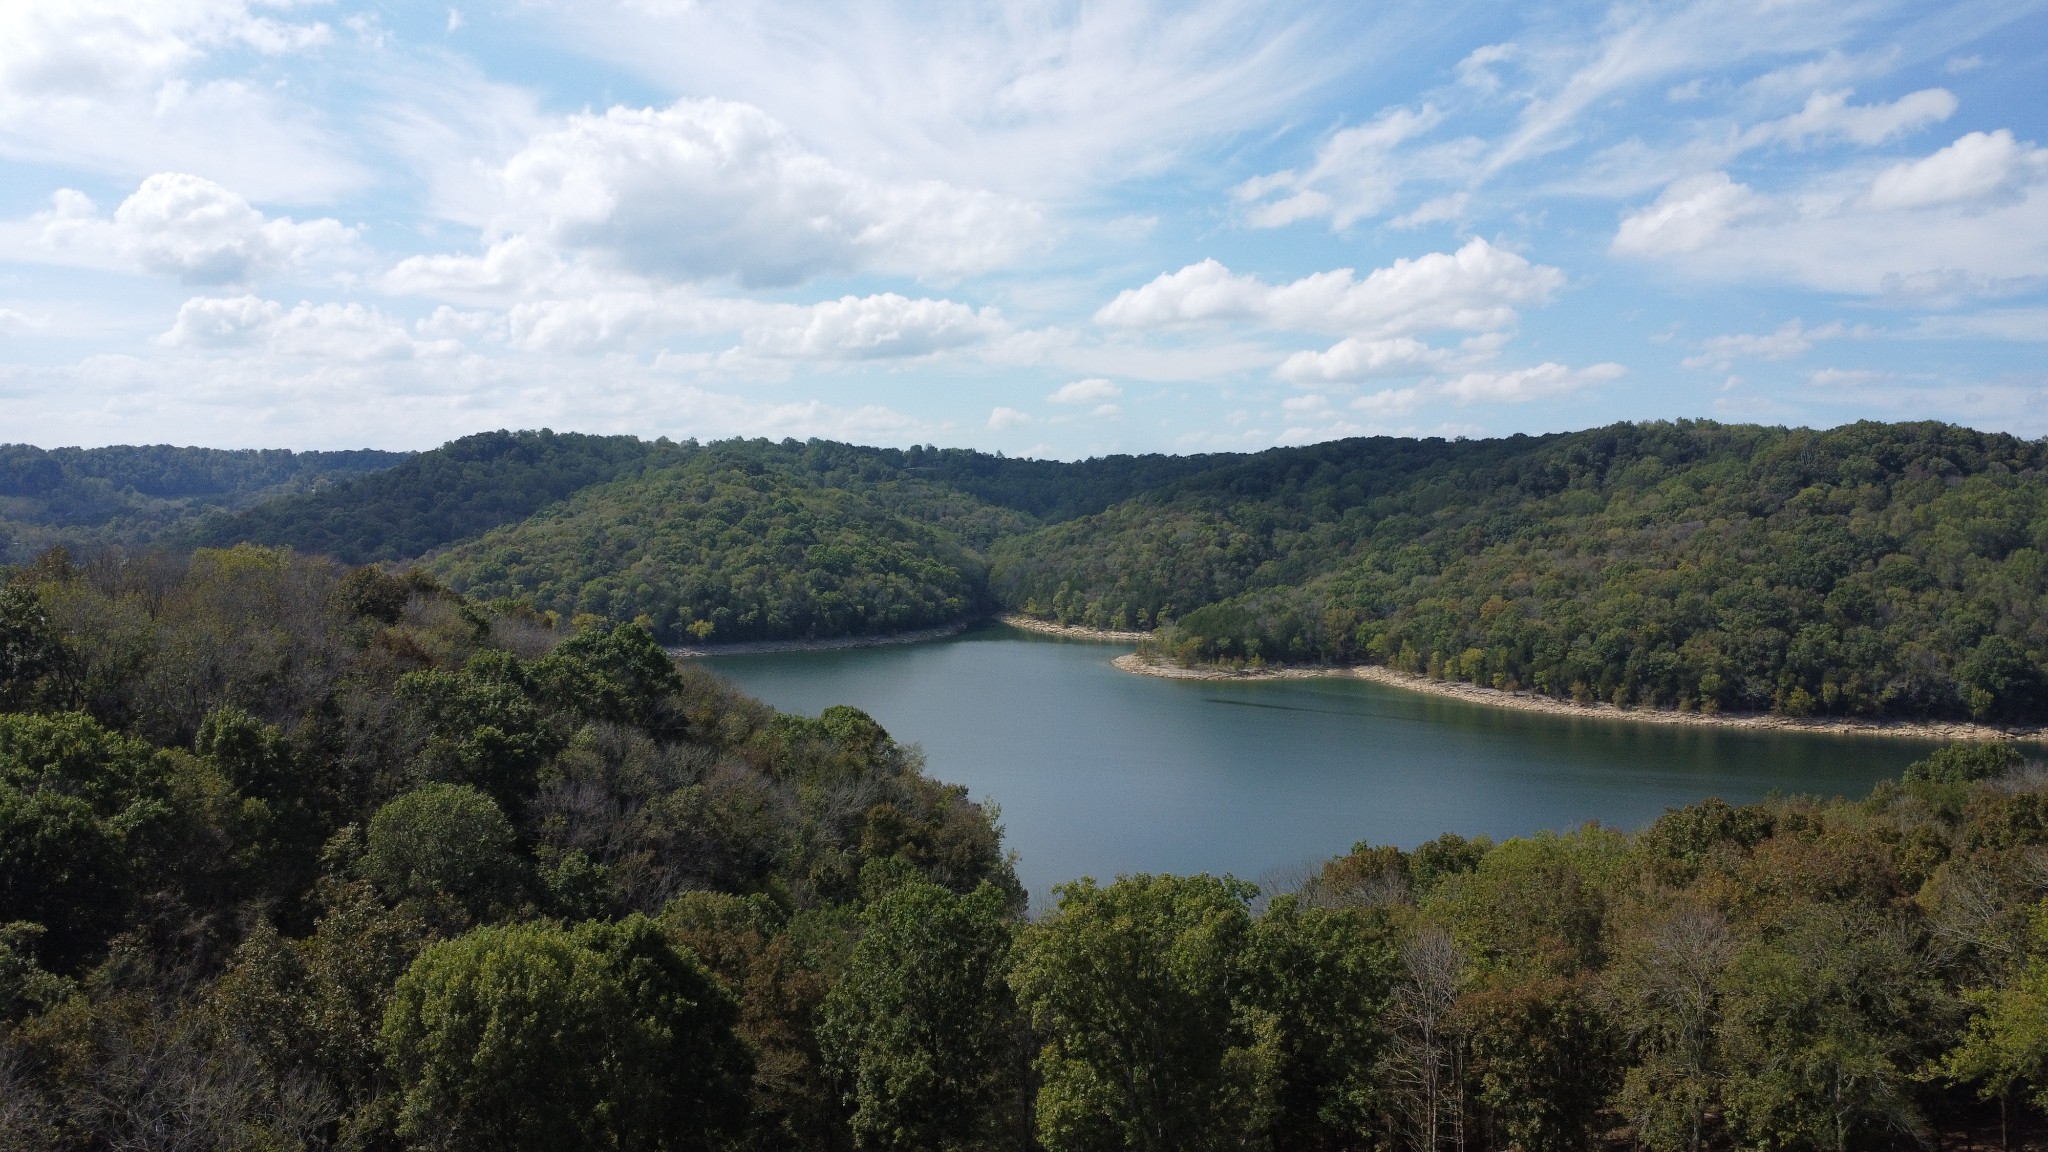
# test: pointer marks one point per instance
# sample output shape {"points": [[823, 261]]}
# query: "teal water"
{"points": [[1099, 772]]}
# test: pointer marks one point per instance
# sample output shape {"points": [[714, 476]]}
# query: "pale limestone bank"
{"points": [[1145, 665]]}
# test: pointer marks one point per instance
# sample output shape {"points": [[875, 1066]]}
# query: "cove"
{"points": [[1100, 773]]}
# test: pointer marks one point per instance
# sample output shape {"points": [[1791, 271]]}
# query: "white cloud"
{"points": [[1974, 166], [709, 189], [1004, 419], [1389, 401], [121, 87], [1439, 210], [1847, 377], [1687, 216], [1476, 288], [181, 225], [1356, 359], [327, 332], [13, 321], [1525, 384], [1829, 115], [1791, 339], [885, 326], [1041, 101], [1969, 220], [1357, 172], [1091, 391]]}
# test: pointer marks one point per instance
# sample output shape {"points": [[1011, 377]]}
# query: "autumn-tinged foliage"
{"points": [[1874, 570]]}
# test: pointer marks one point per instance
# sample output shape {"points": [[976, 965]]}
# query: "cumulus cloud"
{"points": [[1974, 166], [181, 225], [1356, 359], [1091, 391], [333, 332], [1003, 419], [122, 87], [1970, 219], [710, 189], [1525, 384], [1687, 216], [885, 326], [1476, 288]]}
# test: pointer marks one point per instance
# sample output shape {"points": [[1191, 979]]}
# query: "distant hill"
{"points": [[1875, 569], [1870, 570], [131, 494], [738, 543], [463, 488]]}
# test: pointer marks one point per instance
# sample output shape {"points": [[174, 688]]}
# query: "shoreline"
{"points": [[1069, 631], [1529, 702], [762, 647]]}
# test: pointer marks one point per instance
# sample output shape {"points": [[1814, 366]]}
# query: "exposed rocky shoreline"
{"points": [[1530, 702]]}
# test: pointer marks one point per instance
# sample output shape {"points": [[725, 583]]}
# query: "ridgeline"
{"points": [[1883, 571]]}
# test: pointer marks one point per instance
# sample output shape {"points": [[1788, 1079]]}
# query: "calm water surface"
{"points": [[1099, 772]]}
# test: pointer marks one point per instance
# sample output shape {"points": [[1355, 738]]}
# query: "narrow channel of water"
{"points": [[1099, 772]]}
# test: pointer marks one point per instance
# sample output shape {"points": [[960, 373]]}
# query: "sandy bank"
{"points": [[1070, 631], [1529, 702], [752, 647]]}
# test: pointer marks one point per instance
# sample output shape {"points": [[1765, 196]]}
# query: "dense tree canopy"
{"points": [[297, 857], [129, 494], [1875, 570]]}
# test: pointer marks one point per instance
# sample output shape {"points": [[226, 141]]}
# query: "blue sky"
{"points": [[1046, 228]]}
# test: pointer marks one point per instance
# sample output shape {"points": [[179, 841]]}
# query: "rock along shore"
{"points": [[1531, 702]]}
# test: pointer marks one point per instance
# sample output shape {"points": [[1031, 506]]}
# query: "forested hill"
{"points": [[1870, 570], [131, 494], [434, 498]]}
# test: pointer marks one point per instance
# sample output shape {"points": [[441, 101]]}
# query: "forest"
{"points": [[133, 495], [298, 855], [1872, 570]]}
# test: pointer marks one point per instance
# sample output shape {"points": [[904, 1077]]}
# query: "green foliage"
{"points": [[132, 495], [1325, 978], [923, 1024], [1820, 1041], [77, 806], [522, 1037], [443, 843], [460, 489], [32, 658], [1963, 764], [1872, 570], [482, 726], [2005, 1046], [731, 545], [1146, 1043]]}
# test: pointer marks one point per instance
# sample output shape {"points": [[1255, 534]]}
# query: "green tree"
{"points": [[1818, 1036], [482, 727], [2005, 1046], [923, 1024], [32, 655], [1326, 977], [531, 1037], [443, 843], [1136, 989]]}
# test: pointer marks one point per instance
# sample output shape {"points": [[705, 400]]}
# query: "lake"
{"points": [[1099, 772]]}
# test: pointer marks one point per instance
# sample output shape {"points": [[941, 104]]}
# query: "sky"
{"points": [[1048, 229]]}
